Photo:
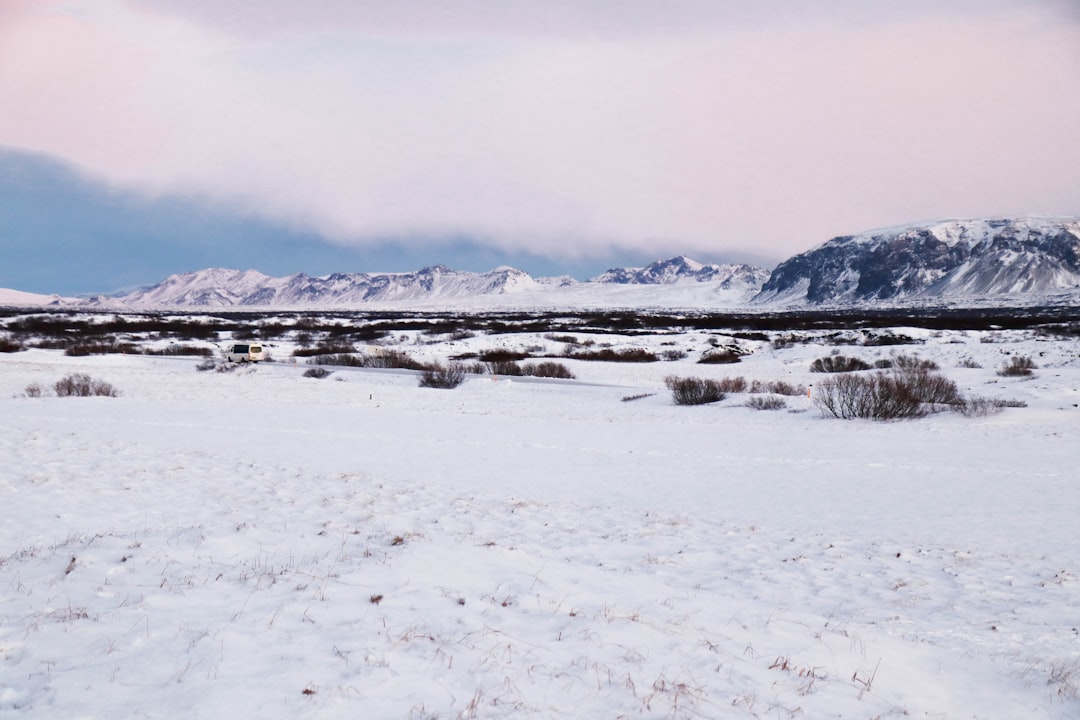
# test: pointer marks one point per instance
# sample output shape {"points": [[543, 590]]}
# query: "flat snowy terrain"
{"points": [[258, 544]]}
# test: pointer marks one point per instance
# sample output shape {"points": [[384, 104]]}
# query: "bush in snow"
{"points": [[507, 368], [611, 355], [549, 369], [1018, 366], [766, 402], [82, 385], [777, 387], [720, 356], [317, 372], [838, 364], [887, 396], [694, 391], [7, 345], [205, 365], [443, 376]]}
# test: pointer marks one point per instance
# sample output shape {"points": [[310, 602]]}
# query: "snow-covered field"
{"points": [[261, 544]]}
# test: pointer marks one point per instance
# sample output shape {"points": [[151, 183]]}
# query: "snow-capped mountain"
{"points": [[939, 260], [678, 281], [221, 287], [683, 269]]}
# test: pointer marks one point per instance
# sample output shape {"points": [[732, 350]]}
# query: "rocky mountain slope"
{"points": [[946, 259]]}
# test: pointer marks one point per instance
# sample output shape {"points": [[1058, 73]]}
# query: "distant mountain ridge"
{"points": [[682, 268], [222, 287], [218, 287], [1025, 259], [943, 259]]}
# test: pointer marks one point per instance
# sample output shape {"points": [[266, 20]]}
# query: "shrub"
{"points": [[878, 397], [1018, 366], [694, 391], [976, 407], [838, 364], [969, 363], [886, 396], [387, 359], [549, 369], [928, 387], [722, 356], [913, 362], [205, 365], [508, 368], [442, 376], [732, 385], [889, 339], [7, 345], [317, 372], [182, 350], [610, 355], [672, 355], [82, 385], [766, 402], [502, 356], [777, 387], [103, 347], [325, 348], [34, 390]]}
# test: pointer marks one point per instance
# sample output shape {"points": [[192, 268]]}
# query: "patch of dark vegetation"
{"points": [[777, 387], [318, 372], [694, 391], [838, 364], [639, 396], [501, 355], [766, 402], [386, 359], [107, 347], [885, 339], [626, 355], [82, 385], [182, 350], [720, 356], [60, 327], [548, 369], [899, 394], [1018, 366], [329, 347], [7, 345], [442, 376]]}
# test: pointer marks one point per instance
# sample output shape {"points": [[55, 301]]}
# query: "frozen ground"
{"points": [[260, 544]]}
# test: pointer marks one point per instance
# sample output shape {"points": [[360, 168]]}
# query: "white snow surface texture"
{"points": [[258, 544]]}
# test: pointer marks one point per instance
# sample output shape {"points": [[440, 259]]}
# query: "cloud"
{"points": [[563, 129]]}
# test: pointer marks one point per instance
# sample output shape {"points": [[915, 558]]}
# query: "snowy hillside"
{"points": [[259, 543], [950, 259]]}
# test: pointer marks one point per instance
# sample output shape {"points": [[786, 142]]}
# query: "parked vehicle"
{"points": [[245, 352]]}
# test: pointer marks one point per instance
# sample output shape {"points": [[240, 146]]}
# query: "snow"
{"points": [[260, 544]]}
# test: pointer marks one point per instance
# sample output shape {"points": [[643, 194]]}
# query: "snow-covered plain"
{"points": [[261, 544]]}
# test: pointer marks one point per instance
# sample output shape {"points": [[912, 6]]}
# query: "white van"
{"points": [[245, 352]]}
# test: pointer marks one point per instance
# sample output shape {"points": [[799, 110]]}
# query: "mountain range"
{"points": [[1015, 259]]}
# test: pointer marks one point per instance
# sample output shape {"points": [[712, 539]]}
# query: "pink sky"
{"points": [[562, 128]]}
